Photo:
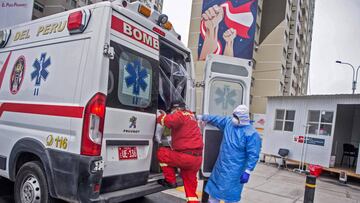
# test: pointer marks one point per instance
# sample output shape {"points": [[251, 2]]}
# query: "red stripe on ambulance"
{"points": [[134, 33], [41, 109], [3, 69]]}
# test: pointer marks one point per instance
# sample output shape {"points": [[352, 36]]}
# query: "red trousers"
{"points": [[189, 166]]}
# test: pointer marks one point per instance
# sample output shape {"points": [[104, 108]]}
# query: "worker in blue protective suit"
{"points": [[239, 153]]}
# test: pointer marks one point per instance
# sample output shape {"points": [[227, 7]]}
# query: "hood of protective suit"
{"points": [[241, 116]]}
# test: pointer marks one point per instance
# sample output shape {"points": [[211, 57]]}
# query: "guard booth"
{"points": [[318, 129]]}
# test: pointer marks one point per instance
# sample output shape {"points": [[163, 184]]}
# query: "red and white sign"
{"points": [[299, 138], [134, 33]]}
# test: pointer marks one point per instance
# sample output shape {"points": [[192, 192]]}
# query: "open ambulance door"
{"points": [[227, 84]]}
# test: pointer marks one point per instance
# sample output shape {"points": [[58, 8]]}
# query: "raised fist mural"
{"points": [[227, 28]]}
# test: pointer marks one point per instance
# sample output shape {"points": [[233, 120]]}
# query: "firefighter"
{"points": [[185, 151]]}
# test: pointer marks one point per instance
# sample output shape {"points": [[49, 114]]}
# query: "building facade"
{"points": [[281, 52], [44, 8], [282, 60]]}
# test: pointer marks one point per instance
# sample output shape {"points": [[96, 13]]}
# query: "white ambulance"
{"points": [[79, 93]]}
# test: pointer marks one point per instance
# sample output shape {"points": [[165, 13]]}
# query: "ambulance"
{"points": [[79, 92]]}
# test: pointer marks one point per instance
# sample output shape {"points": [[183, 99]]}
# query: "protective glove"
{"points": [[245, 177], [158, 133], [160, 112]]}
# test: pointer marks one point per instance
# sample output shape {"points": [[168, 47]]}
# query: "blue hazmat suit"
{"points": [[239, 151]]}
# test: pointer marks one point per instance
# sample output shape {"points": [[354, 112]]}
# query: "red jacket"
{"points": [[185, 132]]}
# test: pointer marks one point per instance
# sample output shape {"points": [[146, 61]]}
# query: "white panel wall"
{"points": [[273, 140]]}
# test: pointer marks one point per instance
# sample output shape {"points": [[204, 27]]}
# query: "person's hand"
{"points": [[160, 112], [229, 36], [211, 18], [245, 177]]}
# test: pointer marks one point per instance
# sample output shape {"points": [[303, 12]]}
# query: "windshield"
{"points": [[173, 75]]}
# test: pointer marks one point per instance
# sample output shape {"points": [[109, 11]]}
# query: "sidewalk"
{"points": [[269, 184]]}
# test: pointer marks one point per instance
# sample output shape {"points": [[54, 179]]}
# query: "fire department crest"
{"points": [[17, 75]]}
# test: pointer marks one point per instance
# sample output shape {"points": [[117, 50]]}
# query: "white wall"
{"points": [[13, 12], [273, 140]]}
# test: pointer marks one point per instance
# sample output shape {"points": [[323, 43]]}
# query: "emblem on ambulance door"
{"points": [[133, 122], [40, 71], [17, 75]]}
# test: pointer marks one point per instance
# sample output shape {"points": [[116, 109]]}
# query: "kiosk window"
{"points": [[284, 120], [320, 122]]}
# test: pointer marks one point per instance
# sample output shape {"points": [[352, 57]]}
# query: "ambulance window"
{"points": [[132, 77], [135, 80], [224, 97], [173, 75]]}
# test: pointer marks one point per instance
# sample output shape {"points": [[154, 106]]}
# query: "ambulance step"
{"points": [[135, 192]]}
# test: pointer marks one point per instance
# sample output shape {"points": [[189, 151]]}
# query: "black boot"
{"points": [[164, 183]]}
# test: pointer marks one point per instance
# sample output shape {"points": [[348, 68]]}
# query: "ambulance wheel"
{"points": [[31, 185]]}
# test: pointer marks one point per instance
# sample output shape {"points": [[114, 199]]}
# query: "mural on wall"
{"points": [[227, 28]]}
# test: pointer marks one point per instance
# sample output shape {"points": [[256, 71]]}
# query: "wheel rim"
{"points": [[30, 191]]}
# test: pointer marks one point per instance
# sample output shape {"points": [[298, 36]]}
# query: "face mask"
{"points": [[235, 121], [242, 121]]}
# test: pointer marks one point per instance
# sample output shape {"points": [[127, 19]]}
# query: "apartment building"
{"points": [[282, 59], [48, 7], [281, 52]]}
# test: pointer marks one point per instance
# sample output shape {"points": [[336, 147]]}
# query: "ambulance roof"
{"points": [[130, 10]]}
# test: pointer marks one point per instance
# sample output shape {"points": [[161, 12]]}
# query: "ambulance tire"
{"points": [[31, 184]]}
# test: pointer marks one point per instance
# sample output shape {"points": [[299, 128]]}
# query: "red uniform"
{"points": [[187, 145]]}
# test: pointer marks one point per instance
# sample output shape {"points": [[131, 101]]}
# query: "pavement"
{"points": [[267, 184]]}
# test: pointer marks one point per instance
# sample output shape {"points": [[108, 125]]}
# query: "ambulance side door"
{"points": [[227, 85]]}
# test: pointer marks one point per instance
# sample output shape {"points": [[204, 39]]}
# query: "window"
{"points": [[38, 6], [257, 28], [224, 97], [282, 69], [254, 64], [132, 81], [284, 120], [73, 3], [320, 122], [135, 78]]}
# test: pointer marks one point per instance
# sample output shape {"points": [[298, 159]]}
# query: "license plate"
{"points": [[126, 153]]}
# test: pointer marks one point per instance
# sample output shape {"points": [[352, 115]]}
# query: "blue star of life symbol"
{"points": [[136, 77], [40, 71], [225, 97]]}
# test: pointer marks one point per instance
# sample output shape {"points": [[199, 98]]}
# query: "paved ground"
{"points": [[6, 196], [267, 185]]}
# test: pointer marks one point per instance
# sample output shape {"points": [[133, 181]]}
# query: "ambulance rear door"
{"points": [[227, 84]]}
